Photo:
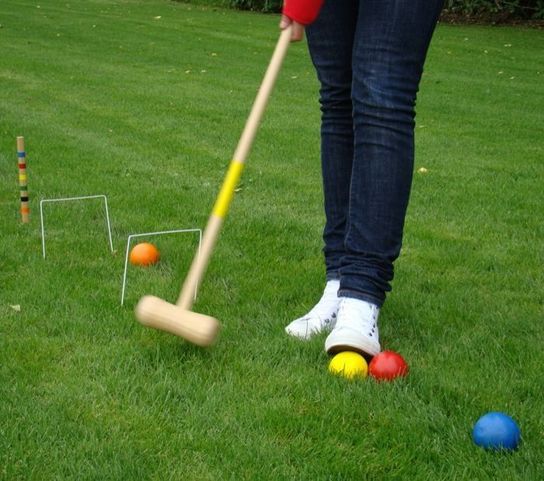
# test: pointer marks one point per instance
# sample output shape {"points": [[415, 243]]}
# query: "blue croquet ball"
{"points": [[496, 431]]}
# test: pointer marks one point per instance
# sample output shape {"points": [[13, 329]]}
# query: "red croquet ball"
{"points": [[387, 365]]}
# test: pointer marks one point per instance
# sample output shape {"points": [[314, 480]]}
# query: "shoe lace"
{"points": [[359, 315]]}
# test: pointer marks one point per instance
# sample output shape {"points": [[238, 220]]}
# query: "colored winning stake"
{"points": [[23, 186]]}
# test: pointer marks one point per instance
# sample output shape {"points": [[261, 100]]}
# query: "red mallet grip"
{"points": [[302, 11]]}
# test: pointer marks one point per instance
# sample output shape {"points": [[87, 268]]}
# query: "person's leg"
{"points": [[330, 41], [390, 46]]}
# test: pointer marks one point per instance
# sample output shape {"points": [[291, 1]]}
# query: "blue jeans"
{"points": [[369, 57]]}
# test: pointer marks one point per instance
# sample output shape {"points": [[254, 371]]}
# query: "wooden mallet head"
{"points": [[196, 328]]}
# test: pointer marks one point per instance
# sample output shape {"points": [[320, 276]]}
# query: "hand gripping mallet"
{"points": [[178, 319]]}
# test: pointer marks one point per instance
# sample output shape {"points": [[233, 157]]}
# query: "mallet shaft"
{"points": [[222, 204]]}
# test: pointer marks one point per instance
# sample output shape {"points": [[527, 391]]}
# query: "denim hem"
{"points": [[361, 296], [332, 276]]}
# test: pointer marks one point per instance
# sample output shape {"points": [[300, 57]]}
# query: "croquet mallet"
{"points": [[178, 319]]}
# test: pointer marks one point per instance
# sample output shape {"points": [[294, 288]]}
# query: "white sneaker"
{"points": [[356, 328], [321, 318]]}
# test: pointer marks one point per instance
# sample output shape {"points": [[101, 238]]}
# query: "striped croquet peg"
{"points": [[23, 180]]}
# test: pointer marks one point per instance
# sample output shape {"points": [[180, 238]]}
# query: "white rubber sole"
{"points": [[349, 340]]}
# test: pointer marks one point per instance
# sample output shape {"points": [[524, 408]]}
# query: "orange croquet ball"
{"points": [[144, 254]]}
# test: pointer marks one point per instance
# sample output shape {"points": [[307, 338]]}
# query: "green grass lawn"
{"points": [[144, 101]]}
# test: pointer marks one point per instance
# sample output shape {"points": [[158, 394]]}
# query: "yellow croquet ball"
{"points": [[348, 364]]}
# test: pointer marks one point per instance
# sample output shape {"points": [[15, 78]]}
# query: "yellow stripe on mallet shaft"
{"points": [[228, 188]]}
